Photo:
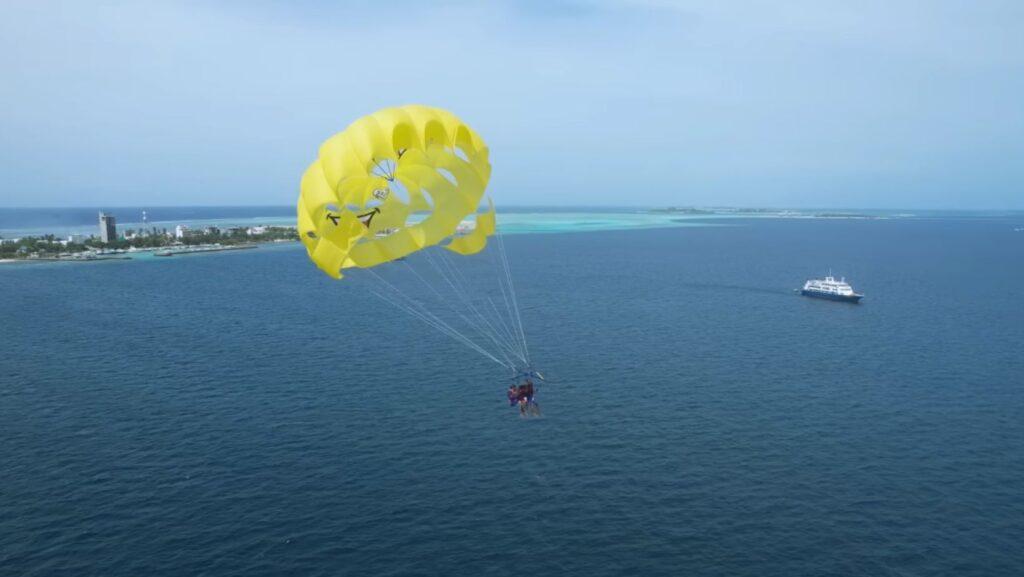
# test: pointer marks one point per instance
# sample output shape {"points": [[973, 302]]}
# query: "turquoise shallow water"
{"points": [[241, 414], [15, 223]]}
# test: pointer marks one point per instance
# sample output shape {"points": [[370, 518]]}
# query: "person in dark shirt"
{"points": [[531, 404]]}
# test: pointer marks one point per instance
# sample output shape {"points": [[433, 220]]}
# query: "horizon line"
{"points": [[531, 205]]}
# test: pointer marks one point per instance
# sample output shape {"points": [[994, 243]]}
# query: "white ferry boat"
{"points": [[831, 289]]}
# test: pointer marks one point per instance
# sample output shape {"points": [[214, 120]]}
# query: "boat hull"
{"points": [[832, 297]]}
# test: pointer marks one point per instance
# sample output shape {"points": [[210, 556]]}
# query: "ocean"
{"points": [[243, 414]]}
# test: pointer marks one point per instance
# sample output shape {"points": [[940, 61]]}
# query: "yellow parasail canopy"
{"points": [[392, 183]]}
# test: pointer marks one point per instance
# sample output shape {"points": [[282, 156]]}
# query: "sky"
{"points": [[872, 104]]}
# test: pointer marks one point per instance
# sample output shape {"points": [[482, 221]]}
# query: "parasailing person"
{"points": [[400, 189]]}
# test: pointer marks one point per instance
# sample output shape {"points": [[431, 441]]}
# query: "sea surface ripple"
{"points": [[242, 414]]}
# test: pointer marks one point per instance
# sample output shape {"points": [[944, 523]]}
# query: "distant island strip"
{"points": [[108, 244], [197, 237], [726, 211]]}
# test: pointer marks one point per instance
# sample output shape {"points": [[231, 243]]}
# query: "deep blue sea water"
{"points": [[242, 414]]}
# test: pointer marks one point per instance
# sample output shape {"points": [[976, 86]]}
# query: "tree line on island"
{"points": [[49, 246]]}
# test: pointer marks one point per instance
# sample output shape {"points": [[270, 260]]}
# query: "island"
{"points": [[743, 211], [162, 241]]}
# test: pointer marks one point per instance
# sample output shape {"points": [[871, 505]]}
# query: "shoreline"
{"points": [[513, 216], [58, 259], [199, 249], [148, 253]]}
